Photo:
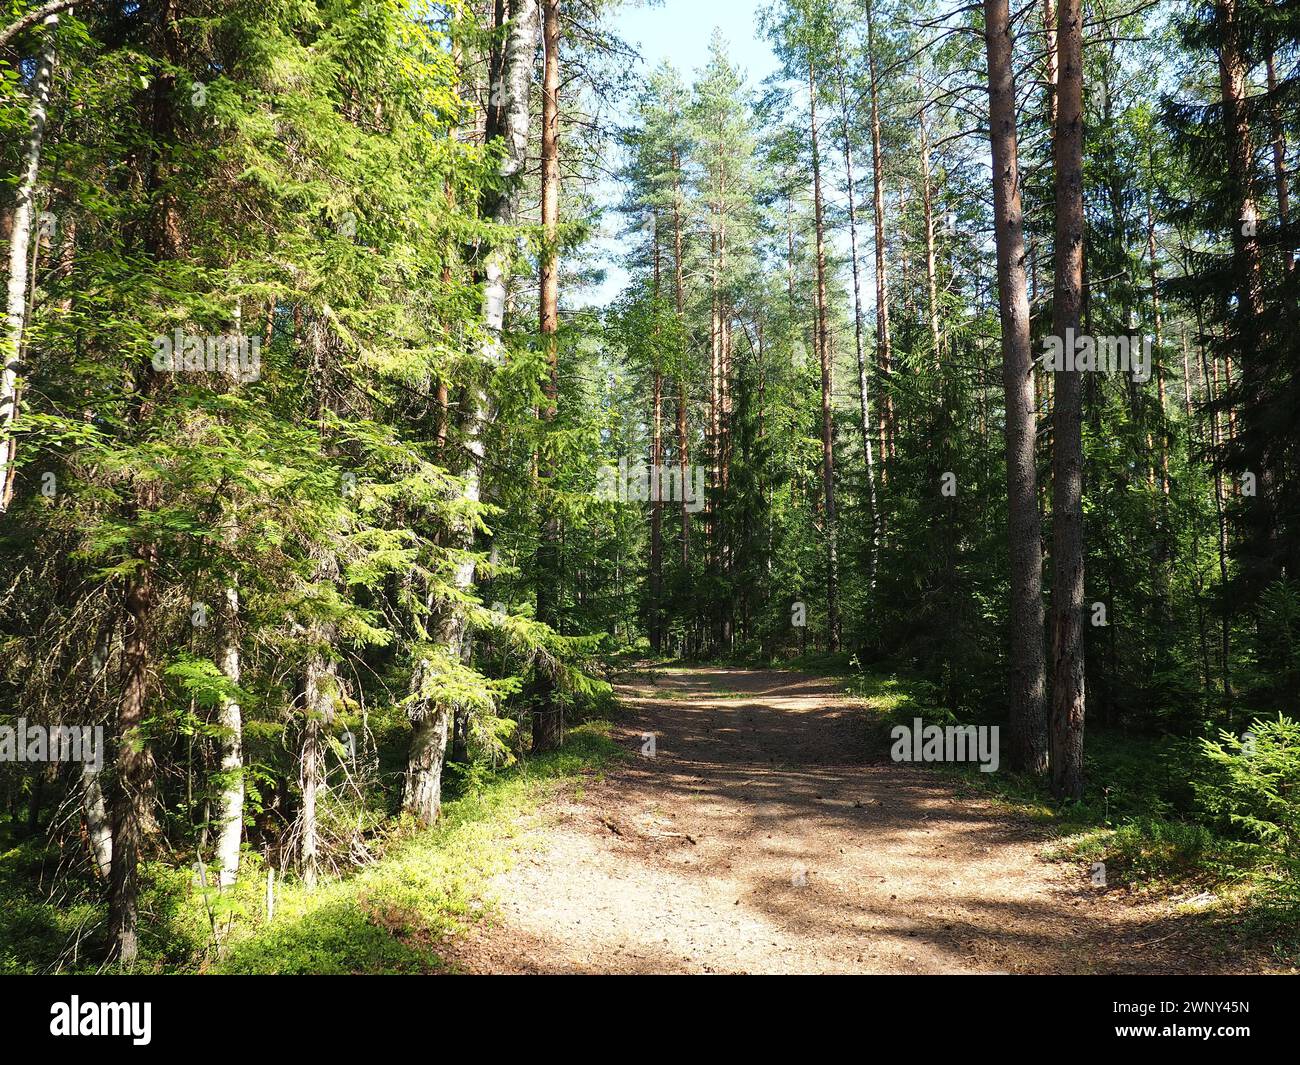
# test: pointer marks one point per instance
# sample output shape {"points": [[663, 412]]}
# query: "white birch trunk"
{"points": [[20, 242], [230, 796], [98, 828], [423, 790], [230, 721]]}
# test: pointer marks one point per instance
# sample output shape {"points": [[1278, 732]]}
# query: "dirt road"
{"points": [[766, 836]]}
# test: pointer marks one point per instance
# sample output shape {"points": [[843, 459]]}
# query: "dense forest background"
{"points": [[321, 466]]}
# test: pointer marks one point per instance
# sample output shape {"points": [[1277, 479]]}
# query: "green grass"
{"points": [[394, 916]]}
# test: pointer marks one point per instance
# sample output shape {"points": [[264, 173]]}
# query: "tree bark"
{"points": [[1248, 263], [1028, 680], [884, 352], [1279, 158], [318, 699], [931, 278], [230, 742], [1068, 698], [824, 353], [656, 467], [1157, 355], [423, 784], [94, 808], [98, 828], [1210, 375], [134, 762], [679, 284], [422, 791], [548, 729], [24, 213], [864, 398], [1051, 62]]}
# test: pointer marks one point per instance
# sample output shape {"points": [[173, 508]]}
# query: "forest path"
{"points": [[766, 836]]}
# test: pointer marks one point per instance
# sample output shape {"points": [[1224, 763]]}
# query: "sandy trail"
{"points": [[765, 836]]}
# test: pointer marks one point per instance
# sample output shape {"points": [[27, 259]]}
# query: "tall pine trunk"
{"points": [[656, 469], [1028, 680], [1279, 156], [1248, 268], [824, 354], [548, 726], [864, 398], [679, 285], [884, 342], [1067, 451], [931, 274], [1052, 65]]}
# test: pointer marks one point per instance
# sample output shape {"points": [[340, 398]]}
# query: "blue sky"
{"points": [[679, 31]]}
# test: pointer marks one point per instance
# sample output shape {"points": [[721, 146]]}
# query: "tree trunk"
{"points": [[134, 765], [884, 353], [1279, 158], [134, 762], [1157, 355], [98, 829], [422, 793], [318, 700], [1067, 453], [498, 81], [230, 796], [824, 353], [656, 468], [683, 442], [548, 729], [714, 443], [24, 213], [931, 279], [94, 809], [864, 399], [500, 206], [1028, 680], [1210, 375], [501, 202], [1248, 264], [1160, 556], [442, 397], [1051, 64]]}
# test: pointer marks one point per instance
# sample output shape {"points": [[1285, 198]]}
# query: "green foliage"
{"points": [[390, 918], [379, 527], [1256, 792], [1149, 851]]}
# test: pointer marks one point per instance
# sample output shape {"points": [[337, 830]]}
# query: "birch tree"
{"points": [[24, 215]]}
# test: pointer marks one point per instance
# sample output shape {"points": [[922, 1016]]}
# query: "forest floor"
{"points": [[770, 833]]}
